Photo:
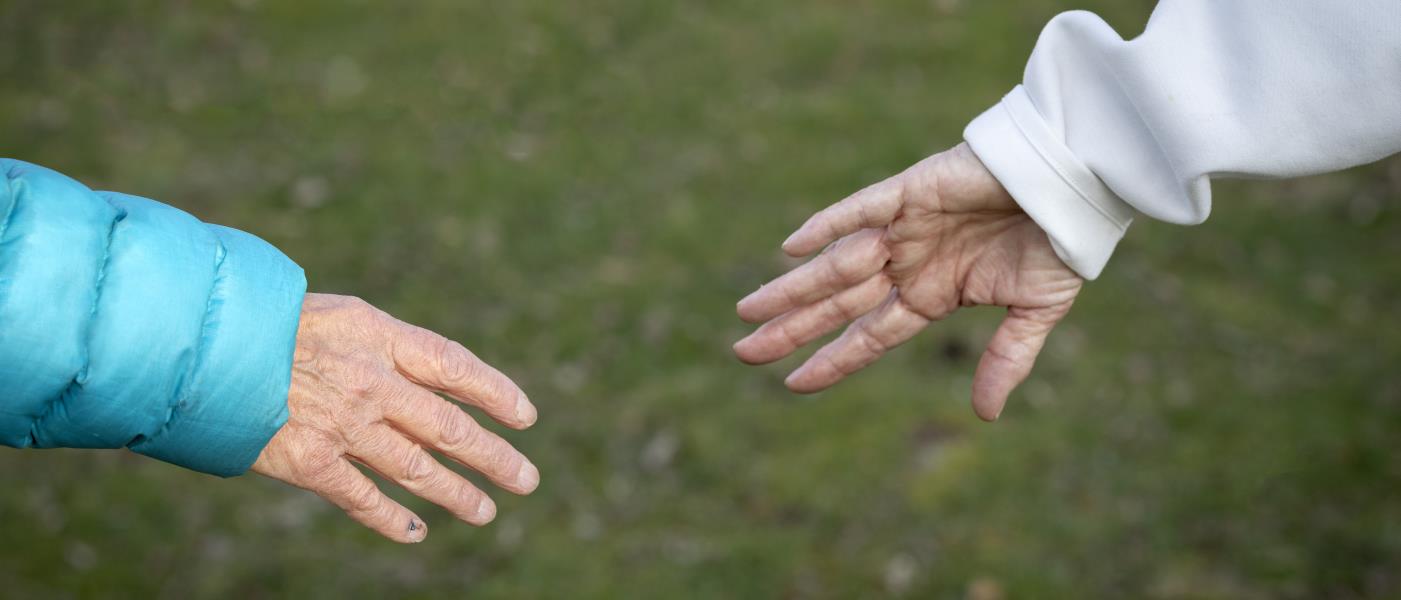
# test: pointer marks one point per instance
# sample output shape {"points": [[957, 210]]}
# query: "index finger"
{"points": [[874, 206], [845, 264], [438, 363]]}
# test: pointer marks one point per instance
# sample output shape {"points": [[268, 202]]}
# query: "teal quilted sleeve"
{"points": [[125, 322]]}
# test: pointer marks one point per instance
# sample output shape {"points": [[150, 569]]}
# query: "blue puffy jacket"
{"points": [[126, 322]]}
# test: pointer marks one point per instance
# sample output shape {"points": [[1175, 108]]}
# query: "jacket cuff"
{"points": [[1083, 219], [237, 395]]}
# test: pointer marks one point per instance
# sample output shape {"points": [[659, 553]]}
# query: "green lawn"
{"points": [[580, 191]]}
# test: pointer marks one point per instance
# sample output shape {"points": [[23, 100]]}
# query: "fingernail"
{"points": [[417, 530], [747, 301], [789, 241], [740, 305], [792, 377], [486, 511], [528, 478], [525, 411]]}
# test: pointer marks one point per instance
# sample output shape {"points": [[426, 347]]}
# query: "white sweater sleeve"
{"points": [[1102, 128]]}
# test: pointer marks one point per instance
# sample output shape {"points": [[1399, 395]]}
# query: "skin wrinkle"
{"points": [[363, 390], [418, 470], [471, 493], [789, 339], [479, 442], [952, 238], [804, 324], [465, 502], [455, 371], [452, 431]]}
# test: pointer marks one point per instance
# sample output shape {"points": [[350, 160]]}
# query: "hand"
{"points": [[910, 250], [363, 389]]}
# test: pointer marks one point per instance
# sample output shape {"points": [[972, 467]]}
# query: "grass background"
{"points": [[580, 192]]}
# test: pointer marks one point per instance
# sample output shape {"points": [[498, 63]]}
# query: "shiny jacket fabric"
{"points": [[125, 322]]}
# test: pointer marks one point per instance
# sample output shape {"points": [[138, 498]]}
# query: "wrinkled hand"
{"points": [[362, 391], [910, 250]]}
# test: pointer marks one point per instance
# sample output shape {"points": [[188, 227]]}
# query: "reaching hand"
{"points": [[363, 389], [910, 250]]}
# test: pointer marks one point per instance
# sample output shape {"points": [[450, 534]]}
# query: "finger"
{"points": [[441, 364], [343, 485], [875, 206], [443, 426], [780, 337], [1009, 357], [392, 455], [861, 344], [850, 261]]}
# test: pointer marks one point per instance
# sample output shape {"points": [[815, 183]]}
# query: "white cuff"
{"points": [[1082, 217]]}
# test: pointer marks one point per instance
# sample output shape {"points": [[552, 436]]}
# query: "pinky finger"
{"points": [[1009, 357], [346, 487]]}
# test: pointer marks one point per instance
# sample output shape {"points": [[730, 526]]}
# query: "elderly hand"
{"points": [[362, 391], [910, 250]]}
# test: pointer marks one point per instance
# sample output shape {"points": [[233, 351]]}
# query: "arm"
{"points": [[904, 253], [128, 323], [1050, 178], [1103, 128]]}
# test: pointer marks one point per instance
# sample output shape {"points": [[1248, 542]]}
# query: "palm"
{"points": [[908, 251]]}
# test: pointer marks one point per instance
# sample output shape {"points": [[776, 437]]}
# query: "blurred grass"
{"points": [[580, 193]]}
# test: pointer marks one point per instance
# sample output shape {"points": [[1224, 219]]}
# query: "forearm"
{"points": [[126, 322], [1103, 128]]}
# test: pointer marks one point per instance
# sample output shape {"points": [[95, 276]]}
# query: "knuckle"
{"points": [[454, 428], [374, 440], [418, 465], [362, 436], [828, 368], [453, 361], [364, 498], [791, 295], [1001, 353], [918, 178], [834, 268], [365, 319], [500, 395], [850, 267], [880, 251], [839, 308], [872, 242], [469, 497], [489, 455], [836, 245], [785, 335], [863, 214], [317, 464], [361, 381], [832, 222], [873, 345], [358, 306], [502, 460]]}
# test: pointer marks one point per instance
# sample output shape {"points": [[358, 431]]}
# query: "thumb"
{"points": [[1010, 355]]}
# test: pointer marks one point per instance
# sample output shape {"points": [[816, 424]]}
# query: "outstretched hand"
{"points": [[363, 391], [904, 252]]}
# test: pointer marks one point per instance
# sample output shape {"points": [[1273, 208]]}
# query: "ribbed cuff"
{"points": [[1082, 217]]}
